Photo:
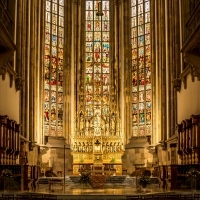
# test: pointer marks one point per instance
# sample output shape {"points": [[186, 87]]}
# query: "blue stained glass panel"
{"points": [[54, 40]]}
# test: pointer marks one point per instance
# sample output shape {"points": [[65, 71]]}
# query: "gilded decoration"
{"points": [[97, 146]]}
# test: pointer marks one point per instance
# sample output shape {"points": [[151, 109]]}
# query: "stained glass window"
{"points": [[97, 75], [141, 67], [53, 68]]}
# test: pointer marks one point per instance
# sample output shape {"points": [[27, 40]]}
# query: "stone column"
{"points": [[178, 66], [68, 71], [112, 37], [79, 46], [36, 79], [75, 43], [173, 62], [81, 53], [153, 16], [127, 73], [121, 66], [78, 33], [41, 39], [158, 74], [25, 131], [19, 37], [177, 37], [20, 58], [170, 58], [32, 71], [162, 58], [117, 48]]}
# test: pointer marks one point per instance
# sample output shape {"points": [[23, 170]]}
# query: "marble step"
{"points": [[111, 179], [45, 180]]}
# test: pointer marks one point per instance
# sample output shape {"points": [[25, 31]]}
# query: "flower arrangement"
{"points": [[93, 180], [85, 178], [144, 180], [98, 180], [113, 160]]}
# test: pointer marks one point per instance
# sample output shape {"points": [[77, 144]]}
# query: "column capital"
{"points": [[177, 84], [19, 82]]}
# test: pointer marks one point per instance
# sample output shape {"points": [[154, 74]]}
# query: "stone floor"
{"points": [[76, 191], [128, 187]]}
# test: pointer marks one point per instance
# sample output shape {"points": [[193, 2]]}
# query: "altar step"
{"points": [[116, 179], [111, 179], [45, 180], [124, 180], [129, 181], [74, 179]]}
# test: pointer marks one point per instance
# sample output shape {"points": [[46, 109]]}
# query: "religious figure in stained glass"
{"points": [[141, 66], [53, 68]]}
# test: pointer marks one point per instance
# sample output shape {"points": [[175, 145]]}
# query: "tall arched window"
{"points": [[53, 68], [97, 65], [141, 67], [97, 138]]}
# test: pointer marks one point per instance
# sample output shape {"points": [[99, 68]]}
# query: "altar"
{"points": [[97, 139]]}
